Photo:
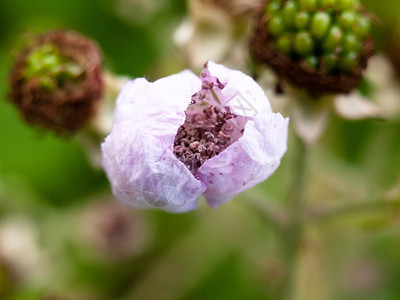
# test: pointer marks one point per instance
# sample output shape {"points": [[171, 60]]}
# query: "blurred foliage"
{"points": [[228, 253]]}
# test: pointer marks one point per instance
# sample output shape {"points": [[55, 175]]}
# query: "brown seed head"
{"points": [[56, 81]]}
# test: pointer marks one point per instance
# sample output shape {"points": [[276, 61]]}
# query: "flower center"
{"points": [[209, 127]]}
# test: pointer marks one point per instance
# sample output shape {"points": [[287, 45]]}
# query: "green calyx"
{"points": [[51, 68], [326, 35]]}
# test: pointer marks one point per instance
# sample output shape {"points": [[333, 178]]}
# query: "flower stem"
{"points": [[293, 237], [100, 126], [270, 215], [353, 209]]}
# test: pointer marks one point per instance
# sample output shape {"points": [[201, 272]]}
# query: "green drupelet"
{"points": [[324, 34]]}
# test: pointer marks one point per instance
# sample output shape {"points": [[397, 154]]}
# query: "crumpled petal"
{"points": [[257, 154], [244, 96], [138, 155]]}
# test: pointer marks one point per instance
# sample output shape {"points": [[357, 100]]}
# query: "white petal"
{"points": [[257, 154], [355, 107], [244, 95]]}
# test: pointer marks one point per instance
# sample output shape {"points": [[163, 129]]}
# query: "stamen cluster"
{"points": [[206, 131]]}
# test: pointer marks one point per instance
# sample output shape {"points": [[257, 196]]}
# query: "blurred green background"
{"points": [[61, 234]]}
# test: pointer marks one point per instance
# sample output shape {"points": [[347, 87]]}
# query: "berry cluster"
{"points": [[326, 35]]}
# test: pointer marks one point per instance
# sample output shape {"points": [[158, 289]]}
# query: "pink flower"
{"points": [[182, 137]]}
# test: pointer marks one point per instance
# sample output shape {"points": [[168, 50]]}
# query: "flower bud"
{"points": [[56, 81], [213, 135], [320, 46]]}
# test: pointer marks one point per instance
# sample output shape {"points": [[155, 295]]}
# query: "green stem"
{"points": [[293, 237], [271, 216], [297, 186], [355, 209]]}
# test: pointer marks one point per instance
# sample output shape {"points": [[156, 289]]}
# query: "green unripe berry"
{"points": [[328, 3], [311, 62], [45, 60], [332, 39], [284, 44], [50, 62], [276, 25], [273, 7], [34, 67], [289, 13], [349, 61], [330, 61], [362, 27], [302, 20], [351, 43], [308, 4], [320, 24], [348, 19], [73, 70], [304, 43], [51, 68], [46, 83], [347, 4]]}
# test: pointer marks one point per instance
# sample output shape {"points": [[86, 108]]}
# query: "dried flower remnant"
{"points": [[236, 8], [216, 30], [56, 81], [320, 46], [383, 101], [182, 137]]}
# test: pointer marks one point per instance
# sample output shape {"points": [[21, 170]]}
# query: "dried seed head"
{"points": [[56, 81], [320, 46]]}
